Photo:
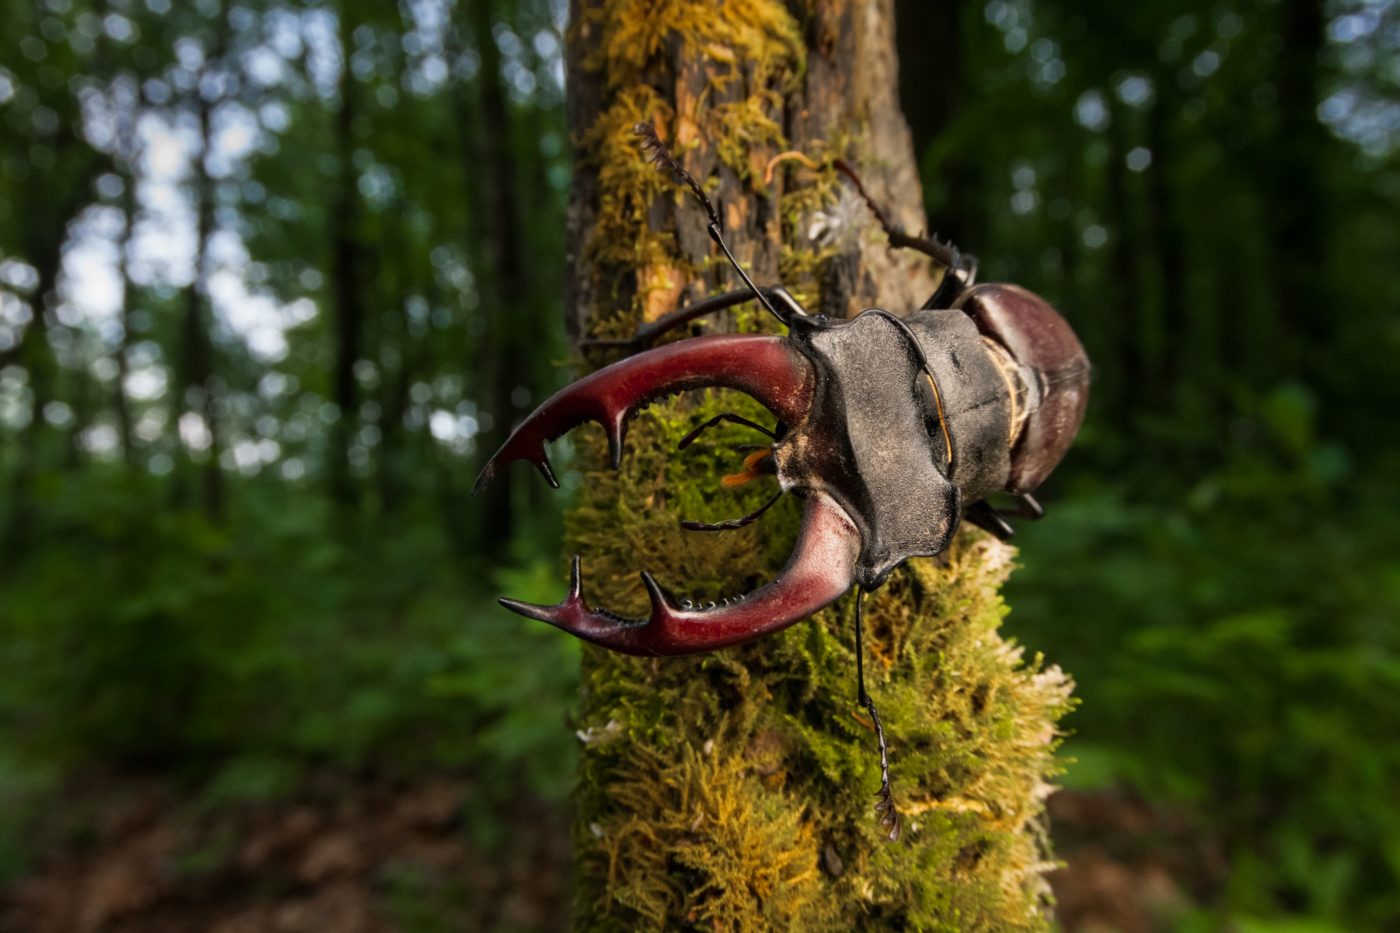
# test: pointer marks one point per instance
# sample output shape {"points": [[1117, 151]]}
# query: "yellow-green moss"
{"points": [[632, 33], [627, 183], [691, 815]]}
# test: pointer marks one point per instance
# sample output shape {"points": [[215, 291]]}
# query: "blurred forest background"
{"points": [[276, 275]]}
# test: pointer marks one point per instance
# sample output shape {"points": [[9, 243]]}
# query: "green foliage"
{"points": [[1254, 676], [241, 655], [418, 905]]}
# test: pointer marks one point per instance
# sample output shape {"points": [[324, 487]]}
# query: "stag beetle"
{"points": [[891, 429]]}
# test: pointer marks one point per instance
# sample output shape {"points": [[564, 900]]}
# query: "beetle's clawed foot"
{"points": [[884, 803], [889, 814]]}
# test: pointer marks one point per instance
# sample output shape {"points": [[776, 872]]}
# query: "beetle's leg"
{"points": [[652, 331], [729, 416], [960, 269], [733, 524], [953, 285], [993, 520], [945, 254], [984, 516], [756, 455], [758, 462], [889, 815], [648, 333], [1028, 508]]}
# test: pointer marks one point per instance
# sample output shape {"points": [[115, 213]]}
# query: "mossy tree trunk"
{"points": [[734, 790]]}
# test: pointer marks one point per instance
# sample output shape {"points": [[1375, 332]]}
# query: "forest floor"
{"points": [[369, 854], [1129, 867], [350, 856]]}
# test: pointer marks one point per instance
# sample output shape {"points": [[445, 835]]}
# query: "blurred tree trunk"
{"points": [[1168, 364], [501, 355], [734, 790], [59, 188], [933, 89], [346, 277], [194, 356], [50, 202], [36, 355], [127, 100], [395, 363], [83, 405], [1127, 282], [120, 353], [1299, 227]]}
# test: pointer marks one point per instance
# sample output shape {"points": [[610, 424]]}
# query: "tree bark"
{"points": [[734, 790]]}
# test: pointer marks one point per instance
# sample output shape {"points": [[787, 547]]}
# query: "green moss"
{"points": [[631, 34]]}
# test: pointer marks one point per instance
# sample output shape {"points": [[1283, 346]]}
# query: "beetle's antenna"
{"points": [[945, 254], [734, 524], [657, 153], [729, 416], [960, 268]]}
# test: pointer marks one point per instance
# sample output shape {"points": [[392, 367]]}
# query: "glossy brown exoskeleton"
{"points": [[891, 429]]}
